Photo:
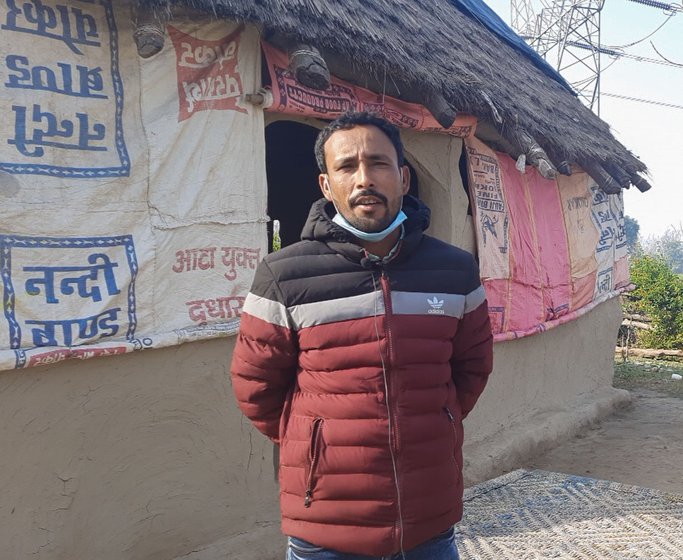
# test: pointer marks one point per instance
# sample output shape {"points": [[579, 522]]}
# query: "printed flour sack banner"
{"points": [[126, 221], [549, 251], [290, 96]]}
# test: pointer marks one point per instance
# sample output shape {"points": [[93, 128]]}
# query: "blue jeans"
{"points": [[441, 547]]}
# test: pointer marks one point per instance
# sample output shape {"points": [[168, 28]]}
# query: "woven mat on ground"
{"points": [[536, 515]]}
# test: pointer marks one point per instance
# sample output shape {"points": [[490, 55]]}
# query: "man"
{"points": [[361, 349]]}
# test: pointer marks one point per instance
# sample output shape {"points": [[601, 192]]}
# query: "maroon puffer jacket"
{"points": [[363, 372]]}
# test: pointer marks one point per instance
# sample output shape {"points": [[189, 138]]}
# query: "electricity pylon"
{"points": [[567, 34]]}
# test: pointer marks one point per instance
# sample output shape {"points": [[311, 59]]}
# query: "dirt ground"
{"points": [[640, 445]]}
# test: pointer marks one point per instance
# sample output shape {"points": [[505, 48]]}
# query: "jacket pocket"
{"points": [[313, 457], [454, 450], [451, 419], [284, 417]]}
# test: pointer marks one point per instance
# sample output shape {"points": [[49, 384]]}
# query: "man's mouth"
{"points": [[367, 200]]}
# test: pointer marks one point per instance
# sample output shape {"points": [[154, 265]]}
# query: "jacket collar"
{"points": [[320, 227]]}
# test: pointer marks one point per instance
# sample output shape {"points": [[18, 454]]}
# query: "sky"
{"points": [[654, 133]]}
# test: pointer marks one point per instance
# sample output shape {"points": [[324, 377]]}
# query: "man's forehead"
{"points": [[346, 142]]}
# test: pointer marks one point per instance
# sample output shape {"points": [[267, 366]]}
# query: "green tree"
{"points": [[631, 229], [659, 295], [669, 246]]}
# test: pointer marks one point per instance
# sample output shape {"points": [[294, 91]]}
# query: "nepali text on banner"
{"points": [[549, 250], [290, 96], [61, 87]]}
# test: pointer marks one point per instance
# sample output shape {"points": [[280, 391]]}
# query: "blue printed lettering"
{"points": [[52, 130], [60, 80], [81, 282], [64, 23], [62, 333]]}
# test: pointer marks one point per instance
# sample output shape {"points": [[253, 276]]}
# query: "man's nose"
{"points": [[364, 176]]}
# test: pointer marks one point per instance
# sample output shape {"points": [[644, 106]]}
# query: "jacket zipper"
{"points": [[390, 344], [391, 398], [313, 455]]}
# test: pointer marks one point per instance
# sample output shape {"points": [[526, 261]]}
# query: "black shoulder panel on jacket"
{"points": [[311, 271], [435, 266]]}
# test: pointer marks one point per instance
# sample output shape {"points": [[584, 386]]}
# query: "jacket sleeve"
{"points": [[472, 359], [265, 358]]}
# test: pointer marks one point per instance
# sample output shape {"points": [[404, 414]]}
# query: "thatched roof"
{"points": [[431, 44]]}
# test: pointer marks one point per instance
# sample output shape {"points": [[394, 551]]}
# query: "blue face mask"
{"points": [[366, 236]]}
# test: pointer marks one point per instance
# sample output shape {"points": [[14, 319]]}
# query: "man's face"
{"points": [[363, 177]]}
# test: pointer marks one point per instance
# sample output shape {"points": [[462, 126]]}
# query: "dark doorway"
{"points": [[292, 174], [292, 177]]}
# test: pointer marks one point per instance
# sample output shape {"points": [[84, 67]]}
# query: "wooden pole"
{"points": [[652, 353]]}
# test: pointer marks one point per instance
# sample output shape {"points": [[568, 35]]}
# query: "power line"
{"points": [[672, 14], [617, 54], [648, 101], [660, 54], [660, 5], [594, 48], [562, 29], [650, 60]]}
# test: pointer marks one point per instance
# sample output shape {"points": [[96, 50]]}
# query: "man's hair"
{"points": [[352, 119]]}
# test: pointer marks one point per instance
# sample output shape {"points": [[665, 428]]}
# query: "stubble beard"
{"points": [[370, 225]]}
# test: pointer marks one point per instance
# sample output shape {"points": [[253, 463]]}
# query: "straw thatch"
{"points": [[431, 44]]}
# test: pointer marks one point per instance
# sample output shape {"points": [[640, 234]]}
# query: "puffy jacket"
{"points": [[362, 372]]}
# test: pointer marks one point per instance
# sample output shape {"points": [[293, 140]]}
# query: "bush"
{"points": [[659, 295]]}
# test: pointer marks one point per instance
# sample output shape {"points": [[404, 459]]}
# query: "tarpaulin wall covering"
{"points": [[549, 251], [289, 96], [133, 191]]}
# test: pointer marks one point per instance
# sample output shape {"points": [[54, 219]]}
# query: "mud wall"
{"points": [[142, 456], [146, 456]]}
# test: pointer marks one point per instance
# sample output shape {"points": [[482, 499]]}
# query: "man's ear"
{"points": [[405, 177], [324, 183]]}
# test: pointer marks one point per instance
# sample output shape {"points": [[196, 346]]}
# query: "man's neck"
{"points": [[384, 247]]}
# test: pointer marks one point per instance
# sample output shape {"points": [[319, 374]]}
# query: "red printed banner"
{"points": [[549, 251], [204, 258], [289, 96], [218, 309], [54, 356], [208, 76]]}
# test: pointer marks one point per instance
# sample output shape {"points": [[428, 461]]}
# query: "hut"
{"points": [[147, 148]]}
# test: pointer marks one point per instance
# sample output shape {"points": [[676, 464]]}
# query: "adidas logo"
{"points": [[436, 305]]}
